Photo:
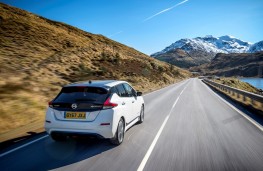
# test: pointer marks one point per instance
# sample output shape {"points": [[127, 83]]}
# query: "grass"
{"points": [[236, 83]]}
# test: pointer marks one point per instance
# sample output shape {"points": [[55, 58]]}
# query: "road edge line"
{"points": [[237, 110]]}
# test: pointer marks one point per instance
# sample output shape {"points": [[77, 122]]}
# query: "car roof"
{"points": [[97, 83]]}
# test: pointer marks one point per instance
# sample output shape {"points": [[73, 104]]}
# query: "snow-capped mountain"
{"points": [[256, 47], [203, 49], [223, 44]]}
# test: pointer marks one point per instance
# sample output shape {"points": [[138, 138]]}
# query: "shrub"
{"points": [[176, 72], [160, 68], [117, 58], [171, 67], [84, 70], [146, 72], [103, 56], [153, 65]]}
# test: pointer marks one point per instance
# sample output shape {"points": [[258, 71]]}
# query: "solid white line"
{"points": [[238, 111], [8, 152], [148, 153]]}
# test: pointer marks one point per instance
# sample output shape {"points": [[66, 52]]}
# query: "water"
{"points": [[256, 82]]}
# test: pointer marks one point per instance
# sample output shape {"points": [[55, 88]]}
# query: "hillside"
{"points": [[38, 56], [202, 50], [234, 64], [183, 59]]}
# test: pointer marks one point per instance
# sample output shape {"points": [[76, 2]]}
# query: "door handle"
{"points": [[123, 103]]}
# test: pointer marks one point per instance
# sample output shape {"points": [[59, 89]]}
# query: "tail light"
{"points": [[50, 104], [108, 105]]}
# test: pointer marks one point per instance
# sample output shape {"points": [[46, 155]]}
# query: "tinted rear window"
{"points": [[82, 94]]}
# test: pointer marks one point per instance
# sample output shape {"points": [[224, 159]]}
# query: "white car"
{"points": [[97, 108]]}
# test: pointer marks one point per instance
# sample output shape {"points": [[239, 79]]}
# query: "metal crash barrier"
{"points": [[234, 91]]}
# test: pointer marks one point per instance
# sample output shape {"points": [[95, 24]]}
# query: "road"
{"points": [[187, 127]]}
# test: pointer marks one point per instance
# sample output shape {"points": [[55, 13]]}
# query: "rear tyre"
{"points": [[58, 137], [119, 135], [141, 115]]}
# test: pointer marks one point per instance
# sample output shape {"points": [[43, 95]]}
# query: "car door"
{"points": [[126, 103], [136, 106]]}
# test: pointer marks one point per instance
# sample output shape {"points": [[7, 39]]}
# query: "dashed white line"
{"points": [[148, 153], [1, 155]]}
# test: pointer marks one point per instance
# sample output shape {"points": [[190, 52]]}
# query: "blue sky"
{"points": [[151, 25]]}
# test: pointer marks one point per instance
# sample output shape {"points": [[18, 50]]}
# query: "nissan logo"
{"points": [[74, 106]]}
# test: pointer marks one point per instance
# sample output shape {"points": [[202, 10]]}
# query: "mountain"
{"points": [[256, 47], [233, 64], [182, 58], [38, 56], [202, 49]]}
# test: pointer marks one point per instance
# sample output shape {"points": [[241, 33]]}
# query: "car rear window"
{"points": [[121, 91], [82, 94]]}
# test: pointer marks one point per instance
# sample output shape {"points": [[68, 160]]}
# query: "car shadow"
{"points": [[47, 154], [73, 150]]}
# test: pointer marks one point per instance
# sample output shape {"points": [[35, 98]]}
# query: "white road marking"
{"points": [[148, 153], [1, 155], [237, 110]]}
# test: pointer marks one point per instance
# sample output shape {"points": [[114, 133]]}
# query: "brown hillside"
{"points": [[38, 56], [183, 59], [233, 64]]}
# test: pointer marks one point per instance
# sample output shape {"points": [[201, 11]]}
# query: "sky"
{"points": [[151, 25]]}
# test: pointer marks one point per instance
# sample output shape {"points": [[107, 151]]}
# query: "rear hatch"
{"points": [[79, 103]]}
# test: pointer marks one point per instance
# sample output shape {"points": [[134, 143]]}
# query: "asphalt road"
{"points": [[186, 127]]}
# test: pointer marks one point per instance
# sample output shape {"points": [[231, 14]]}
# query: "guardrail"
{"points": [[238, 92]]}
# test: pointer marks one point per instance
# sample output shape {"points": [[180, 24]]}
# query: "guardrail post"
{"points": [[244, 98]]}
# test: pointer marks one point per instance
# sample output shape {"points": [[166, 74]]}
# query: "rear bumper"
{"points": [[73, 127]]}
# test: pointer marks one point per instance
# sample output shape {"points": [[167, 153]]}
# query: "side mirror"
{"points": [[139, 93]]}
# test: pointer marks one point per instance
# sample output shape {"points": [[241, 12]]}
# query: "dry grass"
{"points": [[236, 83], [233, 82], [38, 56]]}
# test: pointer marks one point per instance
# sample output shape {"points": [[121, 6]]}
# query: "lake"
{"points": [[256, 82]]}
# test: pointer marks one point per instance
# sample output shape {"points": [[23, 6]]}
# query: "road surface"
{"points": [[187, 127]]}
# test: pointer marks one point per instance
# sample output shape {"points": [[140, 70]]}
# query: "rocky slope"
{"points": [[38, 56], [203, 49], [233, 64]]}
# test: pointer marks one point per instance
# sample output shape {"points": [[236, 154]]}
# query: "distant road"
{"points": [[187, 127]]}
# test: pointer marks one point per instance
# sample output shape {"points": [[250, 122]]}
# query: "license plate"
{"points": [[75, 115]]}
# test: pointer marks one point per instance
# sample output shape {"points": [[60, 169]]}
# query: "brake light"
{"points": [[50, 104], [108, 105]]}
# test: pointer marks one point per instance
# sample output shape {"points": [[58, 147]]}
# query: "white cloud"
{"points": [[114, 34], [165, 10]]}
